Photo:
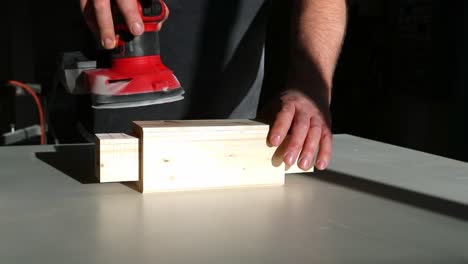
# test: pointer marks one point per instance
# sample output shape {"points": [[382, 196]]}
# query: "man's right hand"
{"points": [[98, 16]]}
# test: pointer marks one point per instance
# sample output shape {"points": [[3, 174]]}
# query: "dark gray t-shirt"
{"points": [[216, 50]]}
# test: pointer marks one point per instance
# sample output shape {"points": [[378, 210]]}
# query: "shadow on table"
{"points": [[424, 201], [76, 161]]}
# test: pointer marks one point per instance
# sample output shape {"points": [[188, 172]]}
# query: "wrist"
{"points": [[307, 77]]}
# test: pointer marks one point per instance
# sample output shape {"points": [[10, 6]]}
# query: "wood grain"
{"points": [[117, 158], [188, 155]]}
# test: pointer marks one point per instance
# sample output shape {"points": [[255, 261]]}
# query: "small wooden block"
{"points": [[117, 158], [186, 155], [295, 169]]}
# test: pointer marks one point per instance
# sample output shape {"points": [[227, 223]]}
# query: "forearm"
{"points": [[319, 28]]}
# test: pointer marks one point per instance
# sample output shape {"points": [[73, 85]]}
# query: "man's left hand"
{"points": [[309, 127]]}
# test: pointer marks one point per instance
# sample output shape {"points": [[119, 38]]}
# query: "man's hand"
{"points": [[98, 16], [308, 126], [304, 112]]}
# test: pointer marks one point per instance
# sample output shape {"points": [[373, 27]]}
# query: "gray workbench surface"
{"points": [[376, 204]]}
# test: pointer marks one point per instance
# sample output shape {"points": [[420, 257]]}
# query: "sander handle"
{"points": [[152, 12]]}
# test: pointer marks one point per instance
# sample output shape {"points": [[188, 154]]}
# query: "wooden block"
{"points": [[196, 154], [187, 155], [295, 169], [117, 158]]}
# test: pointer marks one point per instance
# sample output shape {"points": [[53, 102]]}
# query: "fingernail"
{"points": [[137, 28], [289, 159], [305, 163], [321, 165], [275, 140], [108, 43]]}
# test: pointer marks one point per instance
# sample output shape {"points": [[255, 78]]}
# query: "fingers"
{"points": [[282, 124], [325, 151], [298, 135], [309, 129], [88, 14], [103, 13], [90, 20], [129, 10], [310, 146], [98, 16]]}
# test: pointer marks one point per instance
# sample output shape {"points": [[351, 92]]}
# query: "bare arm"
{"points": [[319, 28]]}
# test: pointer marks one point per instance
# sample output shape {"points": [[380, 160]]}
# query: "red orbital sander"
{"points": [[137, 76]]}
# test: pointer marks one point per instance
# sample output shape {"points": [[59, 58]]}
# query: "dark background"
{"points": [[400, 78]]}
